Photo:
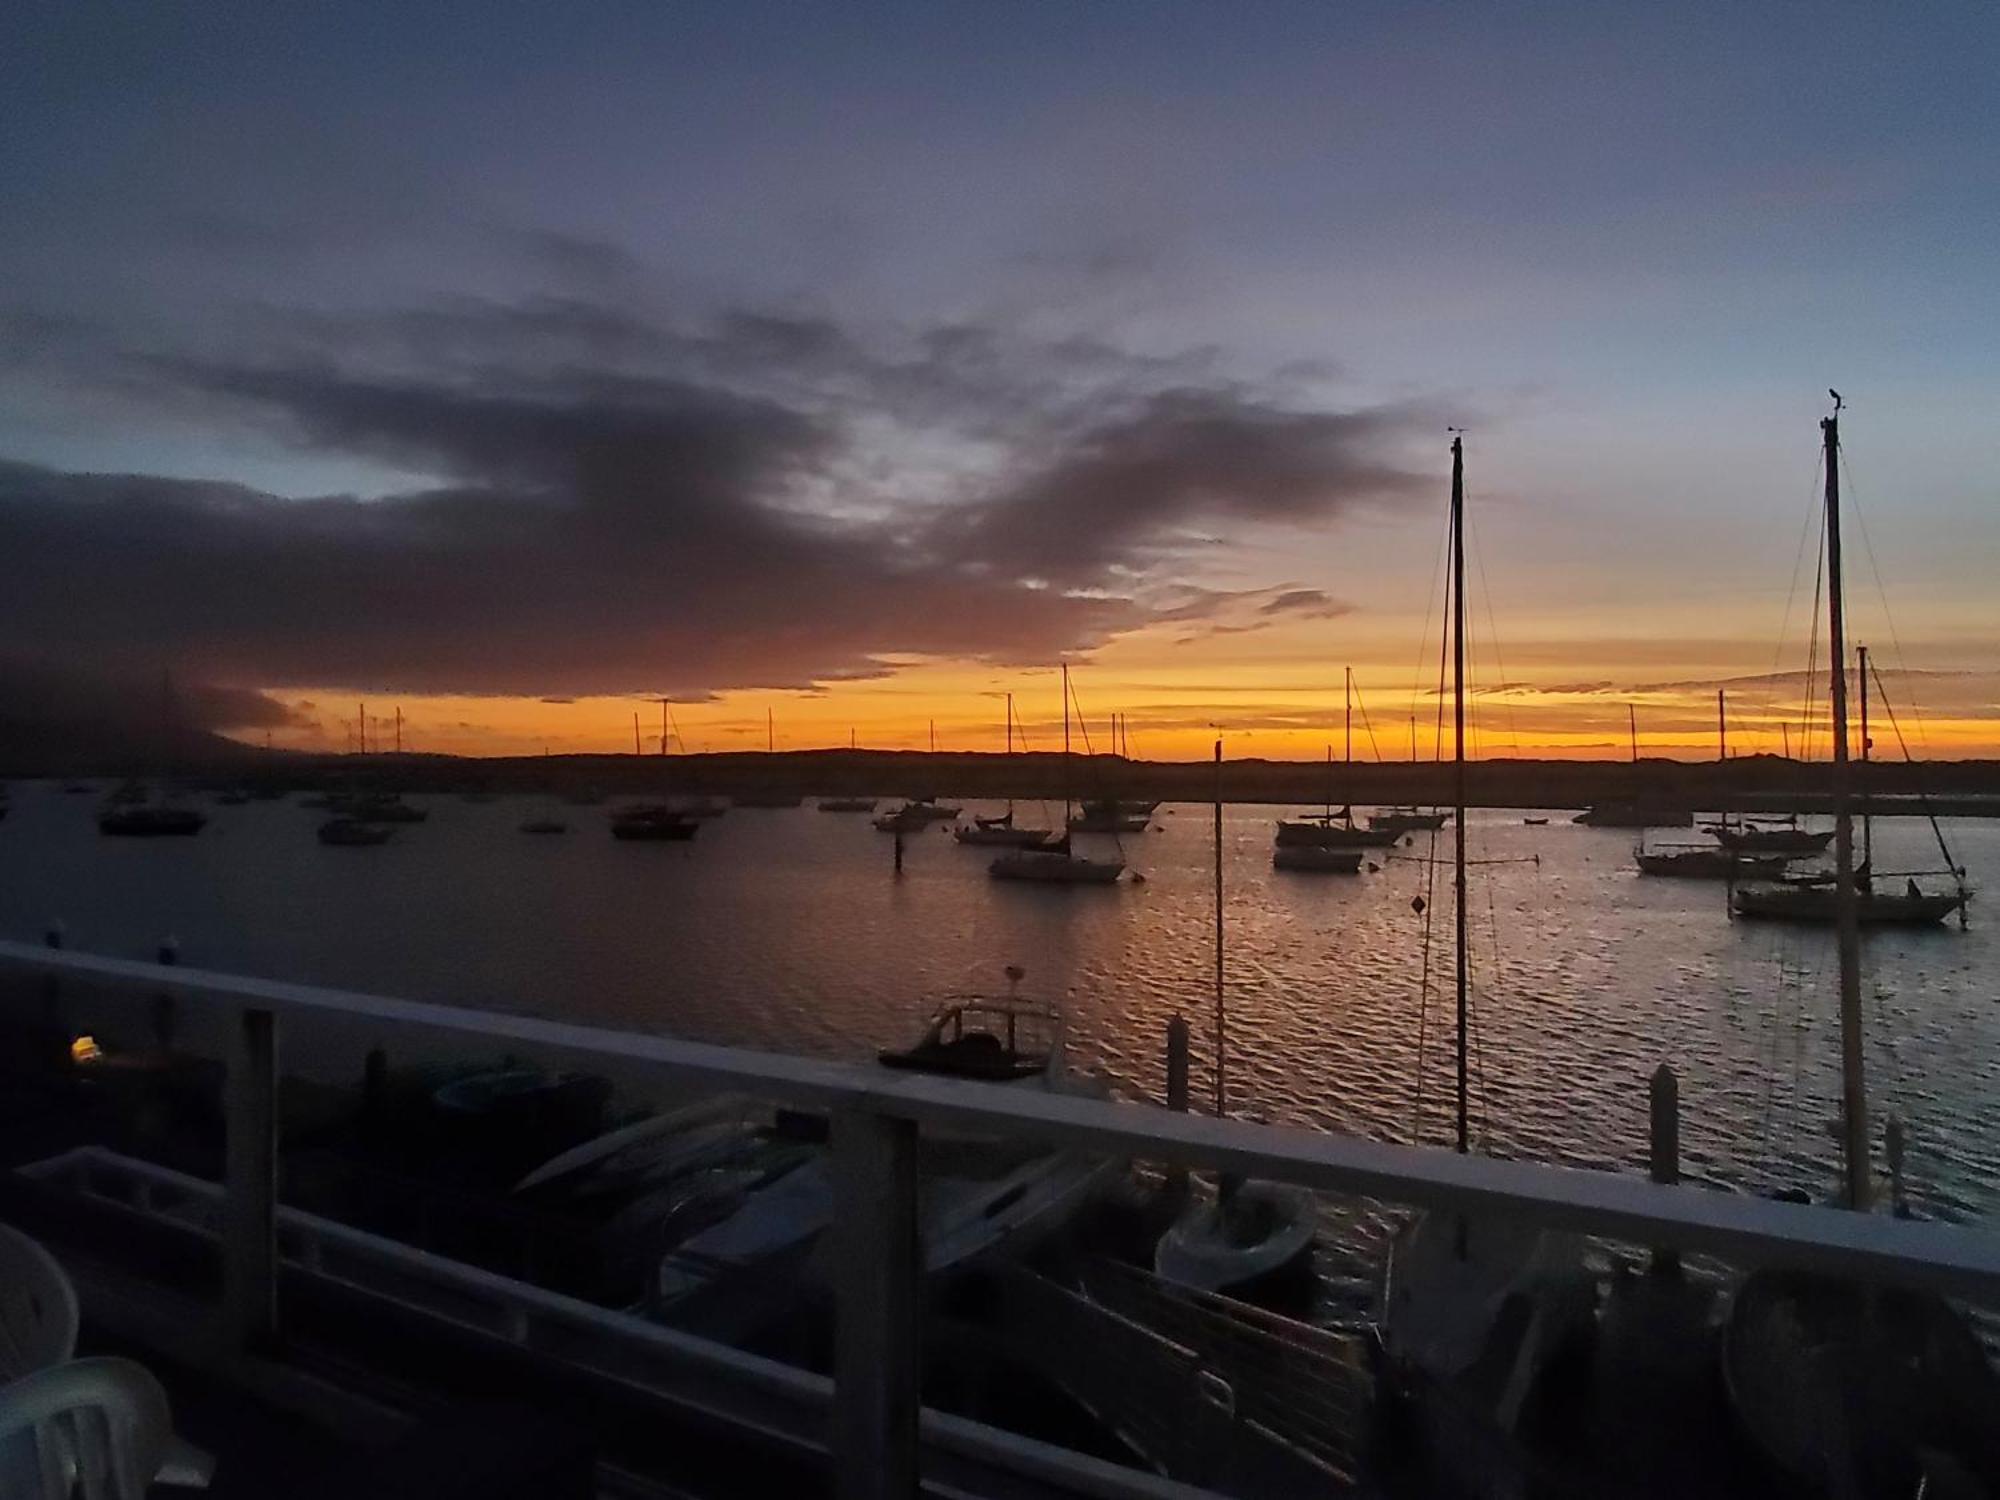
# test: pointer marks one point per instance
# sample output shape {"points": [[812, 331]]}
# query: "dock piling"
{"points": [[1665, 1147]]}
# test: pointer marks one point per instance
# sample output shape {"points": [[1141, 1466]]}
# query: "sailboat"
{"points": [[1001, 831], [1722, 860], [1330, 830], [1847, 1388], [1849, 895], [1453, 1277], [1053, 862], [1251, 1235]]}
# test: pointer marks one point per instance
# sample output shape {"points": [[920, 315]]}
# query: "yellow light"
{"points": [[85, 1049]]}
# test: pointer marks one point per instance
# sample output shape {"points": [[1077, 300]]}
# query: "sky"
{"points": [[840, 371]]}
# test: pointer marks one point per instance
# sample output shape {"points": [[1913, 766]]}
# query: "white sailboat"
{"points": [[1246, 1236], [1054, 863], [1452, 1275]]}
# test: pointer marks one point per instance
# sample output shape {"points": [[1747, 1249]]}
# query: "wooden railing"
{"points": [[877, 1117]]}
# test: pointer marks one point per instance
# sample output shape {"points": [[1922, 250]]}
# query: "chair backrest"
{"points": [[38, 1314], [93, 1427]]}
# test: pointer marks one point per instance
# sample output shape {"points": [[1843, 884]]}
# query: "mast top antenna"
{"points": [[1837, 402]]}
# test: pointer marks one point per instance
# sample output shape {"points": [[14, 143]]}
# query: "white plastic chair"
{"points": [[97, 1428], [38, 1316]]}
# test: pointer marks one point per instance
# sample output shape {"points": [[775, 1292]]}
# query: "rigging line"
{"points": [[1374, 748], [1493, 635], [1444, 652], [1815, 514], [1424, 990], [1812, 667], [1852, 498], [1423, 640], [1923, 797]]}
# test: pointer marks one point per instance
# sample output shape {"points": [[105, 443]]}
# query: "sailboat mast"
{"points": [[1066, 765], [1722, 755], [1010, 758], [1867, 792], [1221, 1095], [1854, 1094], [663, 726], [1632, 729], [770, 732], [1458, 761]]}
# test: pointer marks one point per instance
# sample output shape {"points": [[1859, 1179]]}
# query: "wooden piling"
{"points": [[1666, 1149]]}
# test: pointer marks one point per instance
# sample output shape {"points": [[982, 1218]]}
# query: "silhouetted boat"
{"points": [[1001, 831], [1110, 815], [346, 832], [984, 1039], [915, 814], [150, 820], [1054, 862], [1634, 814], [1792, 842], [1401, 820], [1817, 901], [1317, 859], [382, 809], [653, 824], [1330, 829], [1535, 822], [1703, 862]]}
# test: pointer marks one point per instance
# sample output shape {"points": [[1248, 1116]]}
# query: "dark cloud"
{"points": [[617, 503]]}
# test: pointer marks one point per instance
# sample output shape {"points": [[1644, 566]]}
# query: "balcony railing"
{"points": [[876, 1119]]}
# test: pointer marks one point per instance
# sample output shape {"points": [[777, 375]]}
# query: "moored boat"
{"points": [[150, 820], [1705, 862], [1317, 859], [347, 833], [1401, 820], [653, 824]]}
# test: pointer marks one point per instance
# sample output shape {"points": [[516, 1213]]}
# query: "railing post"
{"points": [[1665, 1149], [250, 1221], [876, 1277]]}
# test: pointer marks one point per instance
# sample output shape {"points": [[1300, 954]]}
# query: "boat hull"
{"points": [[1270, 1243], [1708, 864], [1314, 859], [1055, 869], [1004, 838], [1313, 832], [1815, 904]]}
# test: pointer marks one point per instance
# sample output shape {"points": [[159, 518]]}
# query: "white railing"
{"points": [[876, 1117]]}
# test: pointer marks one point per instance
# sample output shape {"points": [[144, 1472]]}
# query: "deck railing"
{"points": [[876, 1117]]}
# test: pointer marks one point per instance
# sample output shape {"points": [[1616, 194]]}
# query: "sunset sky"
{"points": [[518, 365]]}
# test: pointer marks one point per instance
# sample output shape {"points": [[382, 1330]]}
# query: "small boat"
{"points": [[1792, 842], [915, 813], [347, 833], [1056, 865], [766, 799], [1535, 822], [150, 820], [545, 825], [1250, 1237], [1109, 815], [654, 824], [1400, 820], [984, 1039], [1004, 836], [848, 804], [1316, 859], [1634, 815], [1704, 862], [1326, 831], [389, 809]]}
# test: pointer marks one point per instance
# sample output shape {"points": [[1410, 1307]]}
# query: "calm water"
{"points": [[786, 929]]}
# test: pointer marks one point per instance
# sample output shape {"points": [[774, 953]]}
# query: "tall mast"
{"points": [[770, 732], [663, 726], [399, 729], [635, 735], [1066, 765], [1868, 791], [1721, 755], [1854, 1093], [1632, 729], [1458, 757], [361, 725], [1010, 756], [1221, 1095], [1347, 750]]}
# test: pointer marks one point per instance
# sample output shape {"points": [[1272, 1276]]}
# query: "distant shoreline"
{"points": [[1759, 782]]}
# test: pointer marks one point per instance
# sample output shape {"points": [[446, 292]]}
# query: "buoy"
{"points": [[1417, 905]]}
